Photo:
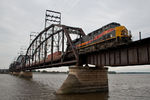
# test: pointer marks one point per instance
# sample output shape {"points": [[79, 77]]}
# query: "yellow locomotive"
{"points": [[109, 34]]}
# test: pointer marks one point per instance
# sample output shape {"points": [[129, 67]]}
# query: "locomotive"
{"points": [[106, 36]]}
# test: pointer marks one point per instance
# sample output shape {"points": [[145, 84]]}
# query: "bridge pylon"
{"points": [[85, 80]]}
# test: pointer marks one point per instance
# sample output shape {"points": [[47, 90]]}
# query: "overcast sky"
{"points": [[18, 18]]}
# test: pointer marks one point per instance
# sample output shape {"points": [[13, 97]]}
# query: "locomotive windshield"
{"points": [[124, 32]]}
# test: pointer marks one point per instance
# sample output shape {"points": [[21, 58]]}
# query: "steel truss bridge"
{"points": [[59, 38]]}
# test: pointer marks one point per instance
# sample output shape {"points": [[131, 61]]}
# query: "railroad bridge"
{"points": [[4, 71], [54, 47]]}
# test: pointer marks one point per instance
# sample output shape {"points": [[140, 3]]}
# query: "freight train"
{"points": [[107, 36]]}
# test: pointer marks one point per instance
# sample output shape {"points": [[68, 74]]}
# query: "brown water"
{"points": [[43, 87]]}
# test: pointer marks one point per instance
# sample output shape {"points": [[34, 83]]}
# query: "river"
{"points": [[43, 87]]}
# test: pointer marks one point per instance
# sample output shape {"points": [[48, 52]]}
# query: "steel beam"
{"points": [[135, 53]]}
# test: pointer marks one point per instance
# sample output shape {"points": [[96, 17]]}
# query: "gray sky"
{"points": [[18, 18]]}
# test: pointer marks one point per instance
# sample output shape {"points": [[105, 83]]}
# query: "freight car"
{"points": [[56, 56]]}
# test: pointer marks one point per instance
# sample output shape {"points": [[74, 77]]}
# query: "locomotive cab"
{"points": [[122, 34]]}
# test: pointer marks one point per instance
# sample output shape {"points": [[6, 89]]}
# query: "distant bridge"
{"points": [[4, 71]]}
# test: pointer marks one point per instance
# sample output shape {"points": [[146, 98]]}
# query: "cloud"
{"points": [[19, 18]]}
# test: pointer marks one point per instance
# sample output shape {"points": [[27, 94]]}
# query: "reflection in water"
{"points": [[43, 87], [34, 90], [40, 90], [87, 96]]}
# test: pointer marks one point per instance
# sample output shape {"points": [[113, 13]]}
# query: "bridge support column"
{"points": [[26, 74], [84, 80], [16, 73]]}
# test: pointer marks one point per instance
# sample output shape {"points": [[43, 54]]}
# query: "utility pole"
{"points": [[32, 36], [140, 35], [51, 17]]}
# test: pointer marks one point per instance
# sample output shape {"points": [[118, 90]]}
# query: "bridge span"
{"points": [[55, 47]]}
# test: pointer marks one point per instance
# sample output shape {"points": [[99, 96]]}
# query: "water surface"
{"points": [[43, 87]]}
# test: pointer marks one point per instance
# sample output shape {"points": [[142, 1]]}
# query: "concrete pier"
{"points": [[15, 73], [23, 74], [84, 80]]}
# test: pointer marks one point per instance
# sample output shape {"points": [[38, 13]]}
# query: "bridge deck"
{"points": [[134, 53]]}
